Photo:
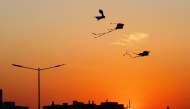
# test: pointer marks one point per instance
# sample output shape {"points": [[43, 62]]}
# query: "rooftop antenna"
{"points": [[129, 104], [107, 100]]}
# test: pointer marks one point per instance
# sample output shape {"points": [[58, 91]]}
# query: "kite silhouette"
{"points": [[119, 26], [102, 15], [144, 53]]}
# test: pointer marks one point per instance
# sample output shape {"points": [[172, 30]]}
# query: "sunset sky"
{"points": [[42, 33]]}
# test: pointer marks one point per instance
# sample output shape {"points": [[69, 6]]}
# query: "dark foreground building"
{"points": [[81, 105], [9, 105]]}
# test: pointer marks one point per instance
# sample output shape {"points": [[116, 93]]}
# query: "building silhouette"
{"points": [[8, 104], [81, 105], [1, 97]]}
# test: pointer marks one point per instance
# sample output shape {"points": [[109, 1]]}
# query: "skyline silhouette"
{"points": [[82, 105], [9, 104], [75, 105]]}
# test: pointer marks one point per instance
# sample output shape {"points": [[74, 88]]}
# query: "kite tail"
{"points": [[132, 52], [104, 32], [136, 56], [129, 54], [97, 34], [113, 23], [111, 29], [100, 34]]}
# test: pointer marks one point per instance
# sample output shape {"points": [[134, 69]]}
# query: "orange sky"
{"points": [[47, 33]]}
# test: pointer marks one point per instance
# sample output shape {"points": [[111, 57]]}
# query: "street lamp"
{"points": [[38, 69]]}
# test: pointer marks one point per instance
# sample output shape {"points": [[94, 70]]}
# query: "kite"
{"points": [[119, 26], [144, 53], [100, 17]]}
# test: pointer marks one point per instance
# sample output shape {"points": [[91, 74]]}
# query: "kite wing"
{"points": [[99, 17], [101, 12]]}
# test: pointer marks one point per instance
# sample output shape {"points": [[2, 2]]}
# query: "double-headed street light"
{"points": [[38, 69]]}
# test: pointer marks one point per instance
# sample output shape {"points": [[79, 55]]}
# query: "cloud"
{"points": [[132, 39]]}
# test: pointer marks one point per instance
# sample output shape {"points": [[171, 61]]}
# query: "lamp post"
{"points": [[38, 69]]}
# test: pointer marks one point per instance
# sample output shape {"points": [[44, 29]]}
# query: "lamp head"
{"points": [[17, 65]]}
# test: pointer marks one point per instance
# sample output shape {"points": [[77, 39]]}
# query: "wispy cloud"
{"points": [[132, 39]]}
